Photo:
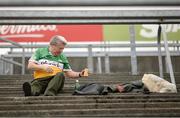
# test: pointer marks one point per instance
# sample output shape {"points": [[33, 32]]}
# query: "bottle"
{"points": [[77, 85]]}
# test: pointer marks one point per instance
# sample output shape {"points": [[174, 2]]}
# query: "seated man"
{"points": [[50, 67]]}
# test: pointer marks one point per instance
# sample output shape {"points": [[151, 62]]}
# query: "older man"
{"points": [[50, 67]]}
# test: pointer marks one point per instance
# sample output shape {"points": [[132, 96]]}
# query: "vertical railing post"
{"points": [[107, 63], [133, 50], [23, 61], [177, 42], [106, 57], [90, 59], [168, 54], [99, 66], [159, 52], [11, 65]]}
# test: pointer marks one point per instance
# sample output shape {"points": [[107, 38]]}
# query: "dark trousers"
{"points": [[49, 86]]}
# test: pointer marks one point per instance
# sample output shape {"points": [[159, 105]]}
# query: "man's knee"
{"points": [[36, 88]]}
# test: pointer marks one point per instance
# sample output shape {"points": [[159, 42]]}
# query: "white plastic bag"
{"points": [[157, 84]]}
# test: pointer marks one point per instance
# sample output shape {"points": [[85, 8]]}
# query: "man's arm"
{"points": [[34, 66], [73, 74]]}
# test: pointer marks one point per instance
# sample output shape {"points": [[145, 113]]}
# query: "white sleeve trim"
{"points": [[67, 69], [31, 60]]}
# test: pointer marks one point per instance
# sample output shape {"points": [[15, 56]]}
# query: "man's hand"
{"points": [[84, 73], [36, 67], [47, 68]]}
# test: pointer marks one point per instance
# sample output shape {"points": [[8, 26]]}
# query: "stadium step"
{"points": [[14, 104]]}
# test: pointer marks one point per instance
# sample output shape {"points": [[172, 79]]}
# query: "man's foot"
{"points": [[27, 89]]}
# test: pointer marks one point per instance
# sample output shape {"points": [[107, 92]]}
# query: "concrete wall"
{"points": [[117, 64]]}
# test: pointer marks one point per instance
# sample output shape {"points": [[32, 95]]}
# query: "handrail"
{"points": [[88, 2], [10, 61], [14, 62], [93, 45], [13, 43]]}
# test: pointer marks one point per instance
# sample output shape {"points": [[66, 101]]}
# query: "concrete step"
{"points": [[15, 90], [66, 89], [121, 96], [100, 76], [93, 101], [18, 79], [119, 112], [14, 104], [72, 81], [72, 106]]}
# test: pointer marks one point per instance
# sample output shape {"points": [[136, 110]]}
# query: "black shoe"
{"points": [[27, 89]]}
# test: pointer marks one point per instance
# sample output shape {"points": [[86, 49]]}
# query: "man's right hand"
{"points": [[84, 73], [47, 68]]}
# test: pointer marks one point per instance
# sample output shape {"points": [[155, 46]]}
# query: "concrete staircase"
{"points": [[14, 104]]}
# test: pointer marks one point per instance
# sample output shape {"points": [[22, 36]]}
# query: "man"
{"points": [[50, 67]]}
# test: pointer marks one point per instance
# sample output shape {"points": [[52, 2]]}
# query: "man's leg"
{"points": [[36, 87], [27, 89], [55, 85]]}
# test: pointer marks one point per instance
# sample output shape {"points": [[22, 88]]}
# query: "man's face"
{"points": [[57, 49]]}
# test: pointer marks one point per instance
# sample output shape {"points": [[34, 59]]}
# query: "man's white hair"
{"points": [[55, 39]]}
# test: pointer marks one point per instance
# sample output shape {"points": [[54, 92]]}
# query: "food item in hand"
{"points": [[85, 73]]}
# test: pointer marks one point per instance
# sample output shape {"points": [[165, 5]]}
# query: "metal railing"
{"points": [[103, 50], [88, 2], [22, 65]]}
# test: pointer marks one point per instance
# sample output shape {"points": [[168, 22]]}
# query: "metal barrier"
{"points": [[88, 2], [22, 55], [104, 50]]}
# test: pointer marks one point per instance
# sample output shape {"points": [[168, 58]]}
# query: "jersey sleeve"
{"points": [[67, 66], [35, 57]]}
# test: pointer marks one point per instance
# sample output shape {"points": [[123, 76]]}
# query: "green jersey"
{"points": [[43, 56]]}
